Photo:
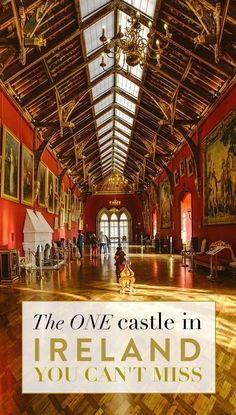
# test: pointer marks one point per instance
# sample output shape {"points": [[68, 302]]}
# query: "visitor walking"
{"points": [[80, 243], [103, 243], [94, 245]]}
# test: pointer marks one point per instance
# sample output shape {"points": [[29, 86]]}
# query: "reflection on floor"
{"points": [[158, 278]]}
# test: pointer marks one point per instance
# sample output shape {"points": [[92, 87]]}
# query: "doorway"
{"points": [[154, 223], [186, 219]]}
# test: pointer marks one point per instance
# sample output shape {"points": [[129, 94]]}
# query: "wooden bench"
{"points": [[220, 259]]}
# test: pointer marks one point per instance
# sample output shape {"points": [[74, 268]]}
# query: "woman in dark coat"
{"points": [[94, 245]]}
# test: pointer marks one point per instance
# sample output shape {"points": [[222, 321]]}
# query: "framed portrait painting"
{"points": [[66, 207], [219, 190], [10, 166], [190, 166], [56, 196], [69, 199], [165, 203], [74, 210], [176, 177], [50, 192], [182, 168], [69, 221], [61, 217], [56, 185], [42, 178], [27, 176], [56, 224]]}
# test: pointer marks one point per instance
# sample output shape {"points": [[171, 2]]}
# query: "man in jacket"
{"points": [[80, 243]]}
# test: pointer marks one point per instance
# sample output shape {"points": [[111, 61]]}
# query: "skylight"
{"points": [[105, 128], [103, 86], [104, 117], [106, 102], [122, 127], [104, 153], [93, 33], [119, 144], [121, 136], [125, 102], [105, 138], [147, 7], [124, 116], [127, 85], [95, 69], [90, 6]]}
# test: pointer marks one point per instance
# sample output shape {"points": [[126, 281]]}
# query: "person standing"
{"points": [[103, 243], [94, 245], [80, 243]]}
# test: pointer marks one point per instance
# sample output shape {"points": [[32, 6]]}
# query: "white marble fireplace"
{"points": [[36, 232]]}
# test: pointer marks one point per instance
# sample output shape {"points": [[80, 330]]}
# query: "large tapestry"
{"points": [[220, 173], [165, 203]]}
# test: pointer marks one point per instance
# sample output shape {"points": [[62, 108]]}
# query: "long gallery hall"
{"points": [[118, 176]]}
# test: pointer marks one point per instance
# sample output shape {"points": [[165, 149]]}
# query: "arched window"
{"points": [[104, 224], [124, 227], [116, 225], [104, 217]]}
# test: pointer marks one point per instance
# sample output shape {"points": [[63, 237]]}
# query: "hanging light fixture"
{"points": [[116, 179], [137, 50], [114, 202]]}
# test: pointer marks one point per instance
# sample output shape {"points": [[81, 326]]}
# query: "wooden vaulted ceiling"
{"points": [[99, 121]]}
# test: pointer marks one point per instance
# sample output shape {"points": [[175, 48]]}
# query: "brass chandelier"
{"points": [[114, 202], [117, 179], [136, 49]]}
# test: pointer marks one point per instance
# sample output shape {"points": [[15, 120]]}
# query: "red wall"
{"points": [[210, 232], [12, 215], [95, 203]]}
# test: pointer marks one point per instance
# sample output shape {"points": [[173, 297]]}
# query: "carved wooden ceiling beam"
{"points": [[60, 42], [39, 92]]}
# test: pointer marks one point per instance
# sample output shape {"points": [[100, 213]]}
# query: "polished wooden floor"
{"points": [[158, 278]]}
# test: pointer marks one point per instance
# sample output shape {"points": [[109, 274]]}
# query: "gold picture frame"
{"points": [[182, 168], [176, 177], [50, 191], [65, 207], [56, 196], [10, 179], [69, 199], [74, 219], [42, 178], [27, 176], [190, 166]]}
